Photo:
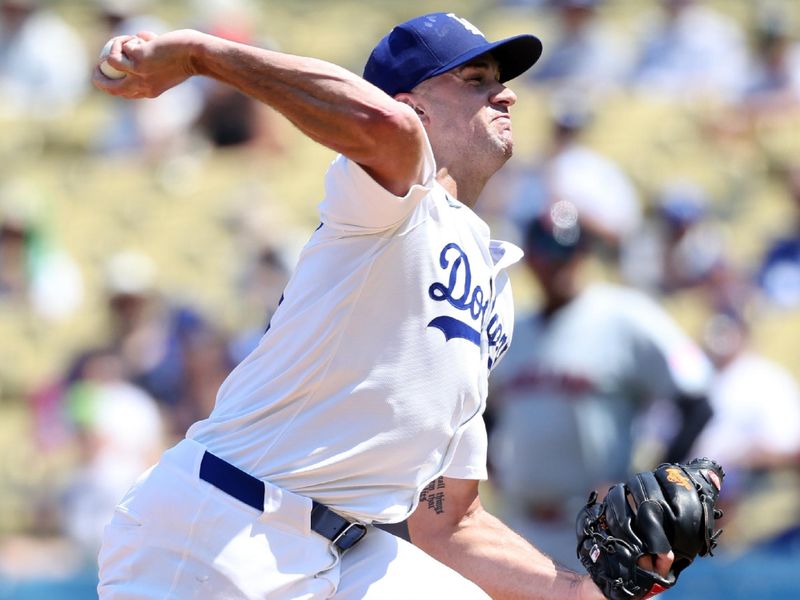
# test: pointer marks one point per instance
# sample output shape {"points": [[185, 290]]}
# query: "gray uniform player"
{"points": [[582, 371], [363, 402]]}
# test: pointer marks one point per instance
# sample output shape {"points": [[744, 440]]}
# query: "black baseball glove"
{"points": [[670, 508]]}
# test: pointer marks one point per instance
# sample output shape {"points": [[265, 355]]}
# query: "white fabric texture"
{"points": [[372, 377], [369, 383], [177, 536]]}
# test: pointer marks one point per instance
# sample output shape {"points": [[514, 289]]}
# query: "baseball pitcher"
{"points": [[363, 402]]}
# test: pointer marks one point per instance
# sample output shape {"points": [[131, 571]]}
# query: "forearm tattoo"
{"points": [[433, 495]]}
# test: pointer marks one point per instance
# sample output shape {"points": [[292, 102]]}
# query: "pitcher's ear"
{"points": [[411, 101]]}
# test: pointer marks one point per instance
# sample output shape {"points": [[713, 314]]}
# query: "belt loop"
{"points": [[342, 533], [232, 480]]}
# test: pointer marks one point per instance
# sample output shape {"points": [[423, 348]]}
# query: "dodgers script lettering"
{"points": [[459, 292]]}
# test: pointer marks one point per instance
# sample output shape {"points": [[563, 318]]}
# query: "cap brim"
{"points": [[514, 55]]}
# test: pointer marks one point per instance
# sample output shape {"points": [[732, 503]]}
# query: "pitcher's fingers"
{"points": [[664, 563], [115, 51], [657, 563], [147, 36]]}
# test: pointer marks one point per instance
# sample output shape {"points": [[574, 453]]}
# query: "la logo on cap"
{"points": [[467, 25]]}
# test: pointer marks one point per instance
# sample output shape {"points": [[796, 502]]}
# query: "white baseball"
{"points": [[107, 69]]}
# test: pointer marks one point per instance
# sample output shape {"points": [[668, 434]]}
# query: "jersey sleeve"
{"points": [[670, 363], [355, 202], [469, 459]]}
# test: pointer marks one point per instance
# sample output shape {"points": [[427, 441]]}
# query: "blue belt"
{"points": [[248, 489]]}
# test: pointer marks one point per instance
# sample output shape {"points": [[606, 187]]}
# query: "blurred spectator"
{"points": [[754, 434], [579, 372], [229, 118], [572, 171], [585, 57], [779, 272], [34, 271], [756, 402], [770, 99], [689, 51], [159, 127], [153, 335], [35, 80], [207, 362], [131, 16], [267, 247], [774, 79], [524, 3], [261, 286], [230, 19], [120, 432], [679, 246]]}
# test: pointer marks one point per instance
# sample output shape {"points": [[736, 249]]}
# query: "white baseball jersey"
{"points": [[573, 385], [372, 377]]}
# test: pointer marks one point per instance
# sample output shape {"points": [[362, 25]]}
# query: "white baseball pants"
{"points": [[175, 536]]}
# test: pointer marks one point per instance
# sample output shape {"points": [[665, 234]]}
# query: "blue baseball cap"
{"points": [[433, 44]]}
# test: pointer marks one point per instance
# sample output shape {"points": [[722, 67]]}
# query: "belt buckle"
{"points": [[349, 536]]}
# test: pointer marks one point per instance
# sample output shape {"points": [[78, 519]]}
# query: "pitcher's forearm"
{"points": [[328, 103], [505, 565]]}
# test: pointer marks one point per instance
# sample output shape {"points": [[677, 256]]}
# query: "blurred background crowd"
{"points": [[655, 188]]}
